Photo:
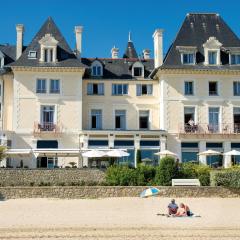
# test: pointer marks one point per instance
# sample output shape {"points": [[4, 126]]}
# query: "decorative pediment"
{"points": [[212, 43], [48, 41]]}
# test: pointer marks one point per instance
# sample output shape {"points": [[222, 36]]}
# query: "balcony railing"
{"points": [[46, 127], [206, 128]]}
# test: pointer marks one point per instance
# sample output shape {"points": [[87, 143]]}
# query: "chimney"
{"points": [[19, 46], [158, 47], [114, 52], [146, 54], [78, 33]]}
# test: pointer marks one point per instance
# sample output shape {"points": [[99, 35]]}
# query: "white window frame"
{"points": [[230, 58], [238, 82], [138, 65], [55, 112], [46, 83], [188, 53], [149, 120], [193, 87], [96, 64], [125, 119], [218, 93], [122, 84], [52, 79], [32, 52]]}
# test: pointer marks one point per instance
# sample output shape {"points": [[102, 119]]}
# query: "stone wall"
{"points": [[36, 177], [106, 191]]}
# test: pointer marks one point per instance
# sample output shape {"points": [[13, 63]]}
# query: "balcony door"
{"points": [[213, 118], [236, 119], [47, 117]]}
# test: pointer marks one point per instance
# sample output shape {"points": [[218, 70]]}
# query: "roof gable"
{"points": [[49, 32]]}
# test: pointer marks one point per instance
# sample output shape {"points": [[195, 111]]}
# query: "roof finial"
{"points": [[129, 36]]}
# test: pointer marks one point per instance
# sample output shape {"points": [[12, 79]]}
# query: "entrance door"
{"points": [[42, 162]]}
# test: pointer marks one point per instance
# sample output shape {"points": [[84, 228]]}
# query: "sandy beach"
{"points": [[117, 218]]}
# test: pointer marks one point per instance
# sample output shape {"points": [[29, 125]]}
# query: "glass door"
{"points": [[213, 115], [47, 118]]}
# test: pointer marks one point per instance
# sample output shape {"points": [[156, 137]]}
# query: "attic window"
{"points": [[32, 54], [188, 58], [96, 69], [138, 69], [1, 62], [235, 59]]}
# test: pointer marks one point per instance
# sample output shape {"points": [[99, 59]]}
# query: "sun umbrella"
{"points": [[150, 192], [232, 153], [210, 152], [93, 154], [117, 153], [166, 153]]}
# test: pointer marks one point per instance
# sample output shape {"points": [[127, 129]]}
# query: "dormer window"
{"points": [[212, 51], [48, 45], [235, 59], [138, 70], [96, 69], [212, 57], [188, 58], [32, 54], [188, 54]]}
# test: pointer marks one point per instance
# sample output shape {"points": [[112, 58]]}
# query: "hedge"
{"points": [[226, 178], [160, 175]]}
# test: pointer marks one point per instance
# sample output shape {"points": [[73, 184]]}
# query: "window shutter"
{"points": [[149, 89], [101, 89], [90, 89], [139, 89]]}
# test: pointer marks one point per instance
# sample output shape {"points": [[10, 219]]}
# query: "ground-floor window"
{"points": [[130, 160], [215, 161], [189, 157], [149, 154]]}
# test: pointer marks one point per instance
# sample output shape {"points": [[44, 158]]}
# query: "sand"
{"points": [[117, 218]]}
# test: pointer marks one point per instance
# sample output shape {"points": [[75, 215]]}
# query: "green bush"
{"points": [[226, 178], [166, 171], [191, 170], [145, 175], [121, 176]]}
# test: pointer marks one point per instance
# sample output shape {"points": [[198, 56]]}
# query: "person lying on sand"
{"points": [[172, 207], [183, 211]]}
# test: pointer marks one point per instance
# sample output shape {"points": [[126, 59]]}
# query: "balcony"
{"points": [[205, 129], [46, 128]]}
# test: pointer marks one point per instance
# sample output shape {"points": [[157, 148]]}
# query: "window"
{"points": [[96, 119], [47, 118], [236, 88], [212, 57], [188, 58], [119, 89], [32, 54], [48, 55], [95, 89], [213, 89], [235, 59], [137, 71], [143, 119], [188, 88], [96, 71], [41, 86], [54, 86], [213, 119], [0, 90], [0, 111], [1, 62], [120, 119], [144, 89]]}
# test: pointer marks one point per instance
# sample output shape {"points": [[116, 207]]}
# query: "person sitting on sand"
{"points": [[183, 211], [172, 207]]}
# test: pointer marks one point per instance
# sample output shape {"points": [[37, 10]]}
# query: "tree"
{"points": [[72, 164]]}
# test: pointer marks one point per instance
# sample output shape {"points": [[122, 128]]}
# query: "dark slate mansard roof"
{"points": [[65, 56], [195, 31], [120, 68]]}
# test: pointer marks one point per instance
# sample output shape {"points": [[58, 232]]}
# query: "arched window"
{"points": [[96, 69]]}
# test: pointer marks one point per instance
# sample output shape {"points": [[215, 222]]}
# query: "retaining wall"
{"points": [[107, 191], [27, 177]]}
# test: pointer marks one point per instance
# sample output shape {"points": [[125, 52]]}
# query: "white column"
{"points": [[85, 146], [19, 45], [163, 142], [202, 148], [111, 141], [158, 47], [227, 160], [137, 147]]}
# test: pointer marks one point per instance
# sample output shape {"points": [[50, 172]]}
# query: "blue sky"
{"points": [[107, 22]]}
